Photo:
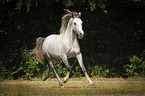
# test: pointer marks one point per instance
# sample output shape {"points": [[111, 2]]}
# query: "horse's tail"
{"points": [[37, 51]]}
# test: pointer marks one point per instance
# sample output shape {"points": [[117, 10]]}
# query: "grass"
{"points": [[76, 86]]}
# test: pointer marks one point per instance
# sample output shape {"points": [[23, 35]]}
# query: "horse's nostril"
{"points": [[81, 35]]}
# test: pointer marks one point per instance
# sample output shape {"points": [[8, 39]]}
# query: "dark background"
{"points": [[113, 45]]}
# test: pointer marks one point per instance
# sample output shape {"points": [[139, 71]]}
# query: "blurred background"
{"points": [[113, 45]]}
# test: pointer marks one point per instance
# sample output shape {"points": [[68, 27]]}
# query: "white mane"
{"points": [[65, 20]]}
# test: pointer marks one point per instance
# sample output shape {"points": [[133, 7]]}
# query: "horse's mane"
{"points": [[65, 20]]}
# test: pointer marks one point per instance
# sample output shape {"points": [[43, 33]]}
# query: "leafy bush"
{"points": [[32, 68], [61, 69], [9, 69], [98, 71], [135, 67]]}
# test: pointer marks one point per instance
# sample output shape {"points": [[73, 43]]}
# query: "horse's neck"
{"points": [[69, 36]]}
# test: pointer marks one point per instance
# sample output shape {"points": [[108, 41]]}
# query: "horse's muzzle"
{"points": [[81, 35]]}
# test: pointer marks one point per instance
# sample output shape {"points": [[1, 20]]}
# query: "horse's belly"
{"points": [[73, 54]]}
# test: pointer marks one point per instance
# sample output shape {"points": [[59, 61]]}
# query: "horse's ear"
{"points": [[79, 14], [75, 14]]}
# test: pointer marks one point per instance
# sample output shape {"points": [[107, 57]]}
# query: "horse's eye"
{"points": [[74, 23]]}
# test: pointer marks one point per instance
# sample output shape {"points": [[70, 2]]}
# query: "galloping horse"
{"points": [[62, 46]]}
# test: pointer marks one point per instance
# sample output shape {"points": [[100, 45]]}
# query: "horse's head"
{"points": [[77, 23]]}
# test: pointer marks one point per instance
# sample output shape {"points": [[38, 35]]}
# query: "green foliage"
{"points": [[76, 71], [8, 69], [98, 71], [68, 3], [92, 5], [19, 4], [136, 67], [61, 69], [31, 68], [28, 5], [3, 71]]}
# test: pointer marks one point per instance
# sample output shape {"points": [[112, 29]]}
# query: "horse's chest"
{"points": [[73, 51]]}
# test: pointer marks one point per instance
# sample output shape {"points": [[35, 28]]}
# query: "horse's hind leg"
{"points": [[47, 74], [52, 66], [65, 60]]}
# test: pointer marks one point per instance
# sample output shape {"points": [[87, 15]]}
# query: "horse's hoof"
{"points": [[65, 80], [61, 86], [91, 83], [44, 78]]}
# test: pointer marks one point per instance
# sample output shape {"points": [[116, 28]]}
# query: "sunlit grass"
{"points": [[75, 86]]}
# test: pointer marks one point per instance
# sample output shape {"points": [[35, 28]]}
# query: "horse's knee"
{"points": [[69, 69]]}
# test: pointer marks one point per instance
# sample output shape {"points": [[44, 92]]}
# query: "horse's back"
{"points": [[52, 44]]}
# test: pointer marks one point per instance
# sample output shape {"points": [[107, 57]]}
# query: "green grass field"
{"points": [[75, 86]]}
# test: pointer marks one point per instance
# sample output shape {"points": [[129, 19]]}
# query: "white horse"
{"points": [[63, 46]]}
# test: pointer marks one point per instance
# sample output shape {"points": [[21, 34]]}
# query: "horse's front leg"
{"points": [[80, 60], [65, 60]]}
